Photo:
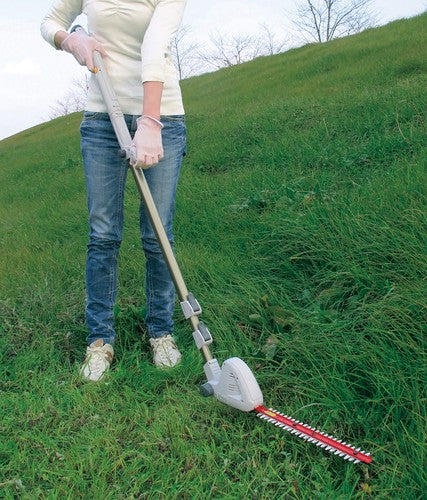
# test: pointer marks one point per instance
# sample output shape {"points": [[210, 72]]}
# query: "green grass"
{"points": [[301, 229]]}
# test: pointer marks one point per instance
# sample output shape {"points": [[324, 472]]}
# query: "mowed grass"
{"points": [[300, 227]]}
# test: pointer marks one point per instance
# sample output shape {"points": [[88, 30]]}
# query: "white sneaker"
{"points": [[165, 352], [98, 360]]}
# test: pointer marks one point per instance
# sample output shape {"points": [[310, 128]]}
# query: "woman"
{"points": [[134, 39]]}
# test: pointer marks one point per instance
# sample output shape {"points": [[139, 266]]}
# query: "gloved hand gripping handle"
{"points": [[113, 106]]}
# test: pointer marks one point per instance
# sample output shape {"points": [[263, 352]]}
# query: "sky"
{"points": [[33, 76]]}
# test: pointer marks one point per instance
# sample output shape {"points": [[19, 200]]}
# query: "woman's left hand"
{"points": [[148, 142]]}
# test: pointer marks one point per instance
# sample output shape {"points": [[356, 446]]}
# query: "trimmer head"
{"points": [[234, 384]]}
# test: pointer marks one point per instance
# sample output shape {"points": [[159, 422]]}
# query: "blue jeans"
{"points": [[105, 174]]}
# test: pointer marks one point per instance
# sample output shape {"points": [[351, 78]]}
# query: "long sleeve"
{"points": [[59, 18], [155, 48]]}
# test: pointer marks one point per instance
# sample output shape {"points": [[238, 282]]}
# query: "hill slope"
{"points": [[300, 227]]}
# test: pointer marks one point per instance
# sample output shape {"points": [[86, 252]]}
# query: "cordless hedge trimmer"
{"points": [[233, 383]]}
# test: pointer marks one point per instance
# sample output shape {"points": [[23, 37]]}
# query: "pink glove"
{"points": [[82, 46], [148, 142]]}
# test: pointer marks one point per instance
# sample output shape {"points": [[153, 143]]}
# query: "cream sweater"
{"points": [[136, 35]]}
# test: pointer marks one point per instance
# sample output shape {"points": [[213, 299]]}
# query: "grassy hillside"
{"points": [[300, 227]]}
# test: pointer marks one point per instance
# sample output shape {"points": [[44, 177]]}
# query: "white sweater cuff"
{"points": [[153, 73], [49, 30]]}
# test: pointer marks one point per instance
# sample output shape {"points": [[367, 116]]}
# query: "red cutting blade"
{"points": [[328, 443]]}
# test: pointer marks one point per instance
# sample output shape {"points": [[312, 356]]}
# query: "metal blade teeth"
{"points": [[309, 438]]}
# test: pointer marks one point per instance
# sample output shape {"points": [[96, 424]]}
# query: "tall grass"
{"points": [[300, 227]]}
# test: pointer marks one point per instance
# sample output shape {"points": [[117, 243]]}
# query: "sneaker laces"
{"points": [[97, 357], [165, 348]]}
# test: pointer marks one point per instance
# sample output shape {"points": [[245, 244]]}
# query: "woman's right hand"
{"points": [[82, 46]]}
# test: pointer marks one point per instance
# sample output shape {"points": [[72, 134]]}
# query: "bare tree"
{"points": [[323, 20], [184, 53], [229, 50], [270, 45], [74, 100]]}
